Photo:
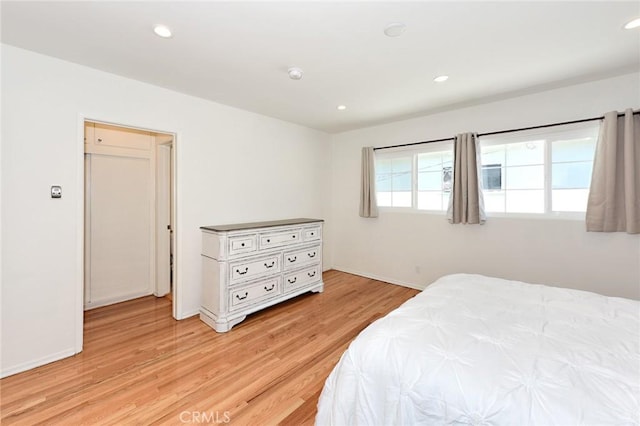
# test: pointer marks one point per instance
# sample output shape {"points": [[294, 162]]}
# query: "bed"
{"points": [[476, 350]]}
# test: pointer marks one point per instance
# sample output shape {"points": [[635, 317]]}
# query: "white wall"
{"points": [[416, 248], [232, 166]]}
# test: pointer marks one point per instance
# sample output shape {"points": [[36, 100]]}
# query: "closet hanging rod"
{"points": [[584, 120]]}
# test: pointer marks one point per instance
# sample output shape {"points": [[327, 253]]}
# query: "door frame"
{"points": [[164, 151], [80, 228]]}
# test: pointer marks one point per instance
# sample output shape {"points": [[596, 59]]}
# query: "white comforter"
{"points": [[484, 351]]}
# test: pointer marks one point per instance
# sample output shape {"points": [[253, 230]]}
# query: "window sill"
{"points": [[411, 210], [573, 216]]}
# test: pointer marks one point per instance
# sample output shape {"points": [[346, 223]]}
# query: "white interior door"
{"points": [[120, 229]]}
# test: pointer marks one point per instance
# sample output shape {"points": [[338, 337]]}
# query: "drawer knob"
{"points": [[273, 262], [242, 245], [268, 240], [311, 274], [246, 293], [269, 288], [292, 281], [246, 269], [311, 254], [312, 234], [292, 259], [293, 236]]}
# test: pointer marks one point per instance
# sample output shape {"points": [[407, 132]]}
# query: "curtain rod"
{"points": [[584, 120]]}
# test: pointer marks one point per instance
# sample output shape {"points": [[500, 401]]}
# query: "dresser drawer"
{"points": [[302, 277], [311, 234], [255, 293], [242, 244], [253, 268], [293, 259], [279, 239]]}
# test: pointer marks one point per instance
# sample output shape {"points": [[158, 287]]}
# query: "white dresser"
{"points": [[250, 266]]}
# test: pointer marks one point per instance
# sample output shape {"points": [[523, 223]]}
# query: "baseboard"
{"points": [[188, 315], [380, 278], [36, 363], [117, 299]]}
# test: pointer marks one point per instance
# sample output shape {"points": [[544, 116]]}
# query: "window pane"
{"points": [[445, 200], [401, 199], [571, 175], [573, 150], [393, 181], [430, 162], [447, 178], [569, 200], [430, 181], [383, 166], [525, 153], [401, 181], [383, 182], [494, 201], [525, 201], [492, 154], [430, 200], [433, 200], [491, 177], [384, 199], [524, 177], [401, 164], [447, 158]]}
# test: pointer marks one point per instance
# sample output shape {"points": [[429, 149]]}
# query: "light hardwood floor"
{"points": [[140, 366]]}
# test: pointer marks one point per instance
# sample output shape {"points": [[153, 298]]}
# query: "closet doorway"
{"points": [[129, 213]]}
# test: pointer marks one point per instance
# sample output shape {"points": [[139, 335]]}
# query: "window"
{"points": [[393, 181], [521, 169], [419, 179], [491, 176], [547, 171], [435, 177]]}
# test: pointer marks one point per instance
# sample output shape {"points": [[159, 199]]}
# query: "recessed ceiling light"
{"points": [[441, 78], [162, 31], [632, 24], [295, 73], [395, 29], [342, 107]]}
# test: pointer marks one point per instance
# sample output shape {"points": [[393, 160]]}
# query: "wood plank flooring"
{"points": [[140, 366]]}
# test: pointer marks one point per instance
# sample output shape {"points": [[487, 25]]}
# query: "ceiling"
{"points": [[238, 53]]}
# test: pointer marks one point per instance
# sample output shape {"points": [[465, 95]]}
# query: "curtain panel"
{"points": [[614, 196], [368, 202], [466, 204]]}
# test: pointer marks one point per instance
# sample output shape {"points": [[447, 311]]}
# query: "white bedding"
{"points": [[476, 350]]}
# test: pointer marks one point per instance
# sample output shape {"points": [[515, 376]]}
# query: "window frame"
{"points": [[441, 146], [550, 134]]}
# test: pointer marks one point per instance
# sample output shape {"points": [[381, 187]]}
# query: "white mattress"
{"points": [[476, 350]]}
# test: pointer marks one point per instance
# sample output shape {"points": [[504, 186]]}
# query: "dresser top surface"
{"points": [[255, 225]]}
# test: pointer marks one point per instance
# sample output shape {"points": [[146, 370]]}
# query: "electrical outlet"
{"points": [[56, 191]]}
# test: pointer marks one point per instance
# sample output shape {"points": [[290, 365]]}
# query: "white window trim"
{"points": [[549, 134]]}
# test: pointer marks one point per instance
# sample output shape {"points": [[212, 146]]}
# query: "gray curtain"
{"points": [[466, 204], [368, 202], [614, 197]]}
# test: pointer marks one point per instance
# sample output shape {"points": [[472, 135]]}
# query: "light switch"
{"points": [[56, 191]]}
